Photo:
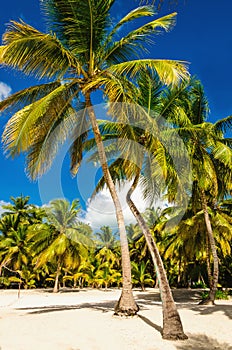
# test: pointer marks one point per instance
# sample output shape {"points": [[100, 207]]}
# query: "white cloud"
{"points": [[100, 211], [1, 208], [5, 90]]}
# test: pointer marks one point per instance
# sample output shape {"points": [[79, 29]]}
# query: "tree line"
{"points": [[52, 248]]}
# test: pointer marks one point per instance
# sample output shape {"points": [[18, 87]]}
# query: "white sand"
{"points": [[83, 320]]}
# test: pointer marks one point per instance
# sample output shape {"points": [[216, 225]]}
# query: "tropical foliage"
{"points": [[30, 251]]}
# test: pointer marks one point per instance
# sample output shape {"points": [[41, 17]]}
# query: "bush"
{"points": [[220, 294], [197, 285]]}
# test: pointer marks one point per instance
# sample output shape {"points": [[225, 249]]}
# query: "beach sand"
{"points": [[83, 320]]}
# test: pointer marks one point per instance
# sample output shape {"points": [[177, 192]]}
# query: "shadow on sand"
{"points": [[180, 296], [185, 298], [202, 342], [211, 309], [102, 306], [151, 324]]}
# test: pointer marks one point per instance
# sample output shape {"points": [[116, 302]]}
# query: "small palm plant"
{"points": [[59, 241], [140, 276]]}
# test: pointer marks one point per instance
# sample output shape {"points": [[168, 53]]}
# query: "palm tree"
{"points": [[19, 207], [83, 54], [59, 240], [106, 238], [210, 153], [132, 161], [15, 252], [7, 223], [23, 211], [140, 275], [187, 242]]}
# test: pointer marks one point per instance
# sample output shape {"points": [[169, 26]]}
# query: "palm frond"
{"points": [[79, 25], [24, 46], [199, 102], [21, 132], [124, 48], [28, 96], [120, 170], [79, 135], [224, 124], [223, 153], [45, 147], [141, 11], [170, 72]]}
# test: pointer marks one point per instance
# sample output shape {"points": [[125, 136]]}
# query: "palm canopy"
{"points": [[145, 145], [83, 51], [185, 109], [61, 236]]}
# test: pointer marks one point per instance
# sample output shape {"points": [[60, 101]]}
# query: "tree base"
{"points": [[126, 306], [177, 336], [172, 326]]}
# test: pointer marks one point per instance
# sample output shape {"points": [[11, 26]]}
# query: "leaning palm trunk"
{"points": [[126, 304], [56, 285], [172, 326], [214, 281]]}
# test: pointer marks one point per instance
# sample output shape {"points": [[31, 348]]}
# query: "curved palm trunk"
{"points": [[214, 281], [56, 285], [172, 326], [126, 304]]}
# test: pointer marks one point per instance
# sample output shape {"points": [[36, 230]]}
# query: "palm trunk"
{"points": [[126, 304], [172, 326], [208, 262], [56, 285], [179, 272], [64, 285], [213, 287]]}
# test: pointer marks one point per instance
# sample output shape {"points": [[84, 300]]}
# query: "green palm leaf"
{"points": [[20, 132], [28, 96], [80, 25], [224, 124], [24, 47], [132, 42], [169, 72]]}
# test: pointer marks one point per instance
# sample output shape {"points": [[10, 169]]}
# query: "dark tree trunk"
{"points": [[213, 287], [172, 326], [126, 304]]}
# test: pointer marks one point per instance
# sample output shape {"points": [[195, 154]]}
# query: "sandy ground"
{"points": [[83, 320]]}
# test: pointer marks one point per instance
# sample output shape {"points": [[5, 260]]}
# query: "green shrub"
{"points": [[199, 285], [220, 294]]}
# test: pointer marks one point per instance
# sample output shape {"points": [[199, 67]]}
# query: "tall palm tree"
{"points": [[84, 53], [210, 153], [135, 160], [59, 240]]}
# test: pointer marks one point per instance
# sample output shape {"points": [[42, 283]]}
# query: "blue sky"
{"points": [[202, 36]]}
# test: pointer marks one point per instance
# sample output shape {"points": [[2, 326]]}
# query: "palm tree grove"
{"points": [[154, 136]]}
